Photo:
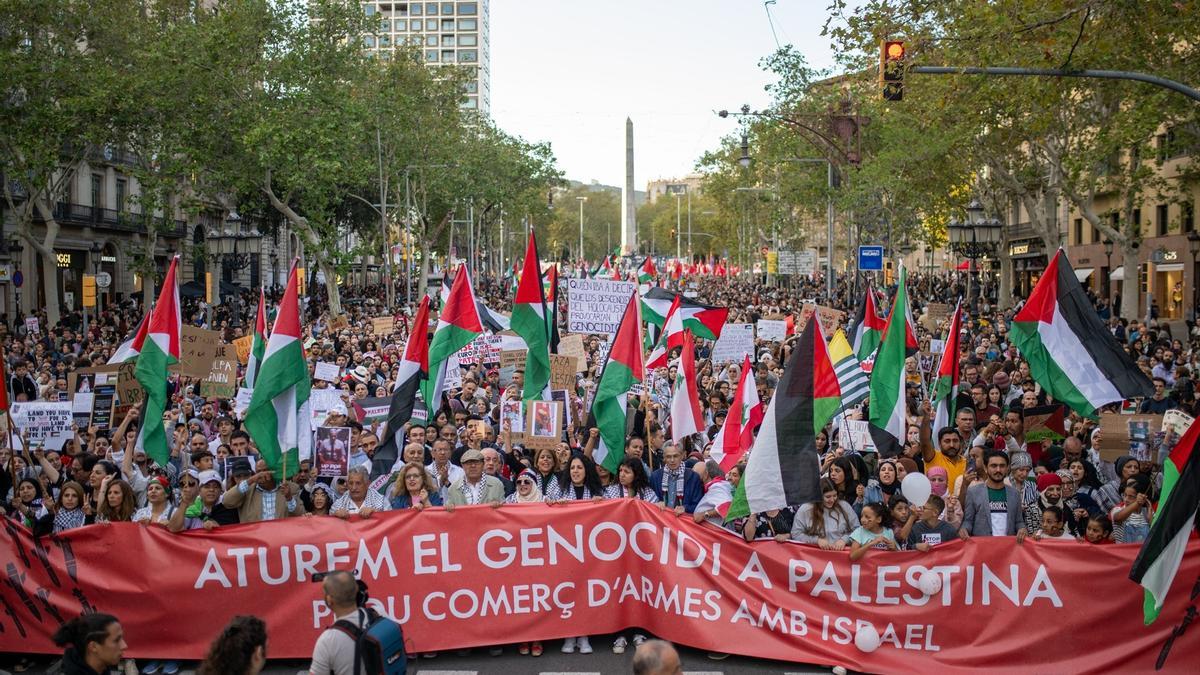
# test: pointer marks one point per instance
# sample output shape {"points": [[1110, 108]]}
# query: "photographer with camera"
{"points": [[360, 640]]}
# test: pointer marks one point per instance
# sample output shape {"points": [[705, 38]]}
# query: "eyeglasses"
{"points": [[187, 484], [525, 481]]}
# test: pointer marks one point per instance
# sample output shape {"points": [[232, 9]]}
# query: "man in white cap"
{"points": [[475, 487]]}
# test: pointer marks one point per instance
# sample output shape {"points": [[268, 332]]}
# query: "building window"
{"points": [[447, 8], [401, 24], [1077, 232], [467, 24], [1187, 217], [414, 9], [431, 9], [431, 55], [468, 8], [385, 41], [471, 87], [122, 189], [468, 40], [447, 25], [415, 25], [431, 24], [430, 40], [400, 10], [98, 190], [370, 9], [470, 103], [1160, 213], [468, 56], [447, 40], [1137, 220], [447, 56], [368, 40]]}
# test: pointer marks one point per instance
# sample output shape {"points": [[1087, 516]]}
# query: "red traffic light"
{"points": [[891, 69], [893, 50]]}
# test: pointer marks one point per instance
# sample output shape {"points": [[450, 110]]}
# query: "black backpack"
{"points": [[378, 645]]}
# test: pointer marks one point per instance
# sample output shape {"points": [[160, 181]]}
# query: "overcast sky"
{"points": [[570, 72]]}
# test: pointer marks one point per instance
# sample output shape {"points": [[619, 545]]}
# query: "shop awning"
{"points": [[1117, 274], [1083, 273], [1169, 267]]}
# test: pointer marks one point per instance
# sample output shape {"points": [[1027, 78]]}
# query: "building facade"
{"points": [[659, 187], [447, 33]]}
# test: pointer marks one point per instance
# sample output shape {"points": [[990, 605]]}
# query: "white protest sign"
{"points": [[597, 305], [31, 324], [326, 371], [453, 374], [772, 329], [321, 401], [855, 435], [48, 425], [736, 341], [937, 346], [242, 402]]}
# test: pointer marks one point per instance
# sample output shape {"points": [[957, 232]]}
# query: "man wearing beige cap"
{"points": [[475, 487]]}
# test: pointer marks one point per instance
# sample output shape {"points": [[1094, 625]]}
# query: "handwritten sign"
{"points": [[339, 322], [572, 345], [31, 324], [326, 371], [129, 390], [511, 360], [243, 345], [562, 372], [772, 329], [221, 380], [383, 325], [198, 349], [736, 341], [597, 305], [830, 318], [48, 425]]}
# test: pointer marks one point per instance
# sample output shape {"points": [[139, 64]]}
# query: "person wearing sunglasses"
{"points": [[414, 489], [527, 491]]}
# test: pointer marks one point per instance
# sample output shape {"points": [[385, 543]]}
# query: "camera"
{"points": [[360, 598]]}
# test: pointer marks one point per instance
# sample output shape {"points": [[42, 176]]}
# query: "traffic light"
{"points": [[891, 70]]}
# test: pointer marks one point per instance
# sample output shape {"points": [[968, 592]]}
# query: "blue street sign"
{"points": [[18, 278], [870, 258]]}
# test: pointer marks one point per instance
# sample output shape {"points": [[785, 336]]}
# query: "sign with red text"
{"points": [[545, 572]]}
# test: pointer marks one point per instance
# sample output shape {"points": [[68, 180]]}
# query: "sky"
{"points": [[569, 72]]}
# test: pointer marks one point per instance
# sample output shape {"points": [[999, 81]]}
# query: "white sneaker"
{"points": [[620, 644], [638, 639], [568, 646], [585, 647]]}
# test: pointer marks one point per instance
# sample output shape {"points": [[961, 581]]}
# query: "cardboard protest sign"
{"points": [[772, 329], [936, 312], [332, 450], [329, 372], [736, 341], [831, 319], [48, 425], [1126, 434], [383, 325], [512, 418], [198, 349], [129, 390], [242, 402], [597, 305], [339, 322], [855, 435], [243, 345], [543, 424], [222, 379], [511, 360], [562, 372], [572, 345]]}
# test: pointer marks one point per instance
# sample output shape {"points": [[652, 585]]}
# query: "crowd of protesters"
{"points": [[986, 478]]}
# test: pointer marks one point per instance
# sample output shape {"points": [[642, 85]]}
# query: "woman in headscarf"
{"points": [[322, 499], [886, 483], [527, 491], [952, 513], [1112, 492], [27, 501], [1076, 506], [1050, 493]]}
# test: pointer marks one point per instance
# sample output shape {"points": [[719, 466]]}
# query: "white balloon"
{"points": [[916, 489], [930, 582], [866, 638]]}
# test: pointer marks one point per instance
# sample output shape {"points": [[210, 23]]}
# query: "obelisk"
{"points": [[629, 208]]}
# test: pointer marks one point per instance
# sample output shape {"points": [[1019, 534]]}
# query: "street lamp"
{"points": [[744, 160], [974, 238], [1193, 238], [678, 227], [14, 249], [95, 249], [1108, 249], [581, 200]]}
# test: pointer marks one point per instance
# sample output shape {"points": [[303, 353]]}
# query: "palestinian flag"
{"points": [[552, 305], [703, 320], [784, 469], [622, 368], [281, 388], [852, 379], [1070, 353], [130, 348], [493, 321], [413, 368], [887, 418], [670, 338], [1158, 560], [868, 329], [530, 320], [458, 324], [444, 292], [745, 413], [258, 346], [718, 495], [157, 352], [647, 274], [605, 268], [945, 387], [685, 405]]}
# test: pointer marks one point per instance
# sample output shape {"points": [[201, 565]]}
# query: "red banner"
{"points": [[462, 579]]}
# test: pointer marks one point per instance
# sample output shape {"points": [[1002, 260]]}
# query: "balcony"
{"points": [[82, 215], [1017, 231]]}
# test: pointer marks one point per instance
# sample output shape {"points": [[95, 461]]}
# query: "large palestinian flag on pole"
{"points": [[552, 305], [159, 350], [412, 370], [458, 324], [745, 413], [1158, 561], [130, 348], [621, 370], [282, 387], [945, 387], [530, 320], [703, 320], [887, 414], [1070, 352], [784, 469]]}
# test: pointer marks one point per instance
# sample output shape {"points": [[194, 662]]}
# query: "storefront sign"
{"points": [[1018, 249]]}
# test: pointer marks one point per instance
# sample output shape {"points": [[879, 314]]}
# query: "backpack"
{"points": [[378, 645]]}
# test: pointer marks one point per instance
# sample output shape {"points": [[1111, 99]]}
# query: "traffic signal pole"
{"points": [[1055, 72]]}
